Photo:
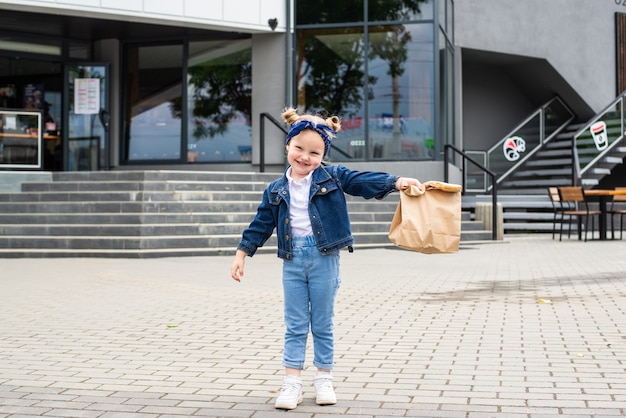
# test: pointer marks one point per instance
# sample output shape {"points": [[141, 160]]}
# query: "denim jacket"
{"points": [[328, 210]]}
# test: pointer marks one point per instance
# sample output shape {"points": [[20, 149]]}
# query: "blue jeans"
{"points": [[310, 284]]}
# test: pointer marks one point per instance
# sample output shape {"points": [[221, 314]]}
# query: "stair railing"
{"points": [[280, 126], [598, 137], [491, 174], [527, 138], [276, 123]]}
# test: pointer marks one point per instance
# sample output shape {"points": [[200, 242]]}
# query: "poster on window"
{"points": [[86, 96], [33, 96]]}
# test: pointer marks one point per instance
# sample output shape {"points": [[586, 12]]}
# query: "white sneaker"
{"points": [[290, 393], [324, 392]]}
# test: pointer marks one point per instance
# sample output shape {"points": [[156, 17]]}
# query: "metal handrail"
{"points": [[578, 171], [494, 194], [280, 126], [515, 140], [543, 138], [276, 123]]}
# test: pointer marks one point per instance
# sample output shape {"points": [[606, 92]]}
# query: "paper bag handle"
{"points": [[415, 191]]}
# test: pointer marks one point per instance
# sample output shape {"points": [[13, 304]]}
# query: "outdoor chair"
{"points": [[574, 196], [557, 208], [618, 211]]}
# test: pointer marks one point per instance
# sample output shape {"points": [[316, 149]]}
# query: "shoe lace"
{"points": [[323, 384], [289, 387]]}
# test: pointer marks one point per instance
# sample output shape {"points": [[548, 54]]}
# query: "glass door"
{"points": [[86, 133]]}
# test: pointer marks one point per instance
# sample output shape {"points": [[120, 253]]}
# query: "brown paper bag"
{"points": [[428, 221]]}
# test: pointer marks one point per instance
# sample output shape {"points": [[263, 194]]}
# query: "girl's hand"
{"points": [[236, 269], [404, 182]]}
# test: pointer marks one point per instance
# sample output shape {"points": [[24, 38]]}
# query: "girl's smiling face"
{"points": [[305, 153]]}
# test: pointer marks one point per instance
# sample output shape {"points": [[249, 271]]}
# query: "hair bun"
{"points": [[334, 123], [290, 115]]}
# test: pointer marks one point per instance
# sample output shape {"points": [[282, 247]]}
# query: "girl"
{"points": [[308, 209]]}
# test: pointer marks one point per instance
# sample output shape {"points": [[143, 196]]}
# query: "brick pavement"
{"points": [[528, 327]]}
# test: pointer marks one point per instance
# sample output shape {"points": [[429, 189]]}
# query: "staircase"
{"points": [[523, 195], [158, 214], [604, 166], [550, 166]]}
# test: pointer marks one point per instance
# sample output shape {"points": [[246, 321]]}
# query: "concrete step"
{"points": [[520, 212], [160, 213], [130, 186], [11, 181]]}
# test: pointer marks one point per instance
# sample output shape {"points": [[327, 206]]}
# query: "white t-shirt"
{"points": [[299, 205]]}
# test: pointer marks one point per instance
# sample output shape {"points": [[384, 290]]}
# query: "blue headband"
{"points": [[320, 128]]}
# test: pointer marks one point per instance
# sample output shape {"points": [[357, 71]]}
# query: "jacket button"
{"points": [[287, 237], [286, 221], [323, 189]]}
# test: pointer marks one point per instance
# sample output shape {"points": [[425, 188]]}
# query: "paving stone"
{"points": [[460, 335]]}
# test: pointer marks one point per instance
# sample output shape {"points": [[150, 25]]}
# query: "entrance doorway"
{"points": [[87, 133], [74, 103]]}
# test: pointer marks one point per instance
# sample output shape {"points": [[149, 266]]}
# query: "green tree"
{"points": [[333, 72], [222, 90], [330, 64], [391, 48]]}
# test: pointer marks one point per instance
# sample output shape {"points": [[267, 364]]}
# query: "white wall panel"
{"points": [[82, 3], [233, 15], [129, 5], [211, 9], [164, 7], [577, 37], [244, 11]]}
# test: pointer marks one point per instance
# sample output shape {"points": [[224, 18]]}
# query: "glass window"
{"points": [[401, 99], [219, 96], [379, 77], [330, 77], [153, 88], [328, 11], [388, 10], [387, 112], [87, 138]]}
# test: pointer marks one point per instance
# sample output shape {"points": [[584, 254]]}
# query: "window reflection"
{"points": [[401, 103], [327, 11], [218, 107], [389, 10], [331, 77], [219, 101], [154, 85], [387, 112]]}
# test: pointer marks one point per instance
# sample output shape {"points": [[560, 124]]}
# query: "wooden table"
{"points": [[603, 196]]}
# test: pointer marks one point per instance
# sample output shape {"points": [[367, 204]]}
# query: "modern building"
{"points": [[198, 85], [513, 58]]}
